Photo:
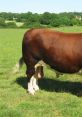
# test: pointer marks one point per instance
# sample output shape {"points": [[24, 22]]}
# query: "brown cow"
{"points": [[62, 51]]}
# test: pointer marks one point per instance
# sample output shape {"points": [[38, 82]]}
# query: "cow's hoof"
{"points": [[30, 89], [31, 92], [36, 87]]}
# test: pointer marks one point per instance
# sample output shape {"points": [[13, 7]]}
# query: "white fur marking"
{"points": [[35, 85], [39, 75], [32, 85]]}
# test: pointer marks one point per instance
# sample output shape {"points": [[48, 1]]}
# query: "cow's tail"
{"points": [[18, 65]]}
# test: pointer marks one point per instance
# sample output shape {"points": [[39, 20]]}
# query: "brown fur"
{"points": [[62, 51]]}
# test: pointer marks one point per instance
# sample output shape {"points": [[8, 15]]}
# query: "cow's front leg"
{"points": [[30, 86], [33, 80], [39, 71], [34, 73], [33, 85], [38, 75], [30, 73]]}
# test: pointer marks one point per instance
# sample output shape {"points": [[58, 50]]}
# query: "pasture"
{"points": [[58, 97]]}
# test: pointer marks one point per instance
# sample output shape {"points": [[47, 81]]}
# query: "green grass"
{"points": [[58, 97]]}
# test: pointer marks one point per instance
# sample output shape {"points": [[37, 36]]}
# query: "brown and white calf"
{"points": [[62, 51]]}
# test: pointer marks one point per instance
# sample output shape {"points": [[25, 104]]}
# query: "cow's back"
{"points": [[62, 51]]}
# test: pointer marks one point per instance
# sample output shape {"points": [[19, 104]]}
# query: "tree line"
{"points": [[30, 20]]}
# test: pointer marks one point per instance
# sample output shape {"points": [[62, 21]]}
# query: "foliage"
{"points": [[41, 20], [2, 22], [45, 18], [32, 25], [11, 25]]}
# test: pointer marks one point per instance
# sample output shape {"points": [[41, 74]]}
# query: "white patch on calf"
{"points": [[35, 84], [39, 75], [32, 85], [30, 89]]}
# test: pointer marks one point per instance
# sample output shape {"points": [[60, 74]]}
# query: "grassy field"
{"points": [[58, 97]]}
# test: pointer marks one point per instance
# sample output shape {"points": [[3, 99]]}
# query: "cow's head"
{"points": [[39, 71]]}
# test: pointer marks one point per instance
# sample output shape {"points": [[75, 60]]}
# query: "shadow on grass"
{"points": [[53, 85]]}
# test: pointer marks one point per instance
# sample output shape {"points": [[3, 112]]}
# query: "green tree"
{"points": [[2, 23], [45, 18], [11, 25], [75, 21], [55, 20]]}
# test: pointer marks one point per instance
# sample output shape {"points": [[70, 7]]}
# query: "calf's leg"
{"points": [[32, 84], [34, 73]]}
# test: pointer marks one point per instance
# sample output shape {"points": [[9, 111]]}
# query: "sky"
{"points": [[40, 6]]}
